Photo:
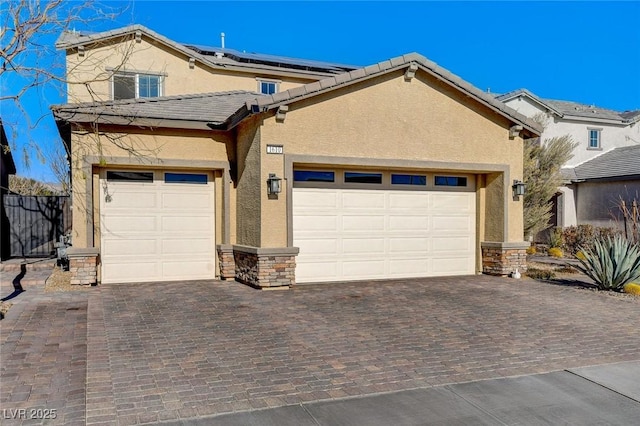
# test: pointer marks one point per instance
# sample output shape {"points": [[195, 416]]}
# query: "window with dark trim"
{"points": [[130, 176], [408, 180], [135, 85], [357, 177], [313, 176], [450, 181], [185, 178]]}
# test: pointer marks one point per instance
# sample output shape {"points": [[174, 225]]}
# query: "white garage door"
{"points": [[157, 226], [355, 234]]}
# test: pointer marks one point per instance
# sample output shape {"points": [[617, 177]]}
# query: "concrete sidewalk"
{"points": [[606, 394]]}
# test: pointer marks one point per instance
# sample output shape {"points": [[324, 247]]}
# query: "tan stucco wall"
{"points": [[389, 118], [249, 189], [99, 62], [161, 148]]}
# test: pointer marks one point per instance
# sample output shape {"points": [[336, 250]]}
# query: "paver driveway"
{"points": [[186, 349]]}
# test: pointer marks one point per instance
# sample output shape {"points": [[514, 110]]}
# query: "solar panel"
{"points": [[273, 60]]}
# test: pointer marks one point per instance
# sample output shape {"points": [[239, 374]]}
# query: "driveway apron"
{"points": [[181, 350]]}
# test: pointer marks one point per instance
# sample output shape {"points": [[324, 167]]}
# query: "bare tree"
{"points": [[30, 63], [27, 186]]}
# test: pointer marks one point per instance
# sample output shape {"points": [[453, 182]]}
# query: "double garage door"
{"points": [[157, 226], [356, 234]]}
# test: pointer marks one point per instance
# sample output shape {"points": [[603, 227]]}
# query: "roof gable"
{"points": [[411, 62]]}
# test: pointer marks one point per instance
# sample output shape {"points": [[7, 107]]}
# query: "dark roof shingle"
{"points": [[619, 162]]}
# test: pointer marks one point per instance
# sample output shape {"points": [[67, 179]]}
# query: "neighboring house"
{"points": [[604, 137], [399, 169], [7, 167]]}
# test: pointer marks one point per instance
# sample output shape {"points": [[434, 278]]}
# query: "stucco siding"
{"points": [[249, 184], [99, 63], [390, 118]]}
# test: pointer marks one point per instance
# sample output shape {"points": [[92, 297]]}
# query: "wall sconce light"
{"points": [[273, 184], [518, 188]]}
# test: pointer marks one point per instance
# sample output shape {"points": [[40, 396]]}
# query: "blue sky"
{"points": [[586, 52]]}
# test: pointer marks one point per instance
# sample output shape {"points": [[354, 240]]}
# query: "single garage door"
{"points": [[157, 226], [356, 234]]}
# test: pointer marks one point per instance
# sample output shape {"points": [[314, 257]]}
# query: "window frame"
{"points": [[276, 84], [598, 132], [136, 75], [447, 177], [363, 173]]}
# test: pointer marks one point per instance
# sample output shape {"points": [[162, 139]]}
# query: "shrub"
{"points": [[611, 262], [556, 238], [583, 236], [531, 250], [632, 288], [555, 252], [540, 274]]}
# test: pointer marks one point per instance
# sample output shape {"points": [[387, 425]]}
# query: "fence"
{"points": [[35, 224]]}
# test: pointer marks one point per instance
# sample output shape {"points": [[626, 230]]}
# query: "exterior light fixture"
{"points": [[518, 188], [273, 184]]}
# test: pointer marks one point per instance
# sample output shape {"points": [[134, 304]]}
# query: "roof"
{"points": [[617, 163], [268, 102], [226, 109], [573, 109], [207, 55], [182, 111]]}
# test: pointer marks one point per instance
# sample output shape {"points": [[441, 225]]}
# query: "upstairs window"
{"points": [[594, 138], [135, 85], [268, 87]]}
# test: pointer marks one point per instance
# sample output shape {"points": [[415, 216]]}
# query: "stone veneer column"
{"points": [[83, 265], [226, 261], [500, 258], [265, 267]]}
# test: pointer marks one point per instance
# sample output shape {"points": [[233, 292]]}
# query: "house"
{"points": [[7, 167], [197, 170], [598, 175]]}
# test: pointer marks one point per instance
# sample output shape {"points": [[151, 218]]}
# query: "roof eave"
{"points": [[121, 120]]}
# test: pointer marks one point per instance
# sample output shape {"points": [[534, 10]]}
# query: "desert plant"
{"points": [[575, 237], [632, 288], [555, 252], [540, 274], [532, 250], [611, 262], [556, 238]]}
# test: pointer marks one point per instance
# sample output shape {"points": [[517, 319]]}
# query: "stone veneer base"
{"points": [[500, 258], [262, 267], [83, 265]]}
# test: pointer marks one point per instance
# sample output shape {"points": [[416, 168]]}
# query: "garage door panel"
{"points": [[317, 198], [408, 222], [187, 246], [318, 246], [363, 199], [316, 222], [362, 268], [409, 267], [408, 245], [128, 247], [408, 201], [129, 225], [363, 246], [413, 234], [189, 201], [157, 231], [448, 224], [131, 270], [351, 223], [120, 198]]}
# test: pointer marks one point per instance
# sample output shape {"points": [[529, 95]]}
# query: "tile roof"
{"points": [[232, 59], [268, 102], [616, 163], [192, 111], [574, 109]]}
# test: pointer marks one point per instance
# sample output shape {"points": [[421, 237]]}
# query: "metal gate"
{"points": [[35, 223]]}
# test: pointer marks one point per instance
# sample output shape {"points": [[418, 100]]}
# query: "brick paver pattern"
{"points": [[179, 350]]}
